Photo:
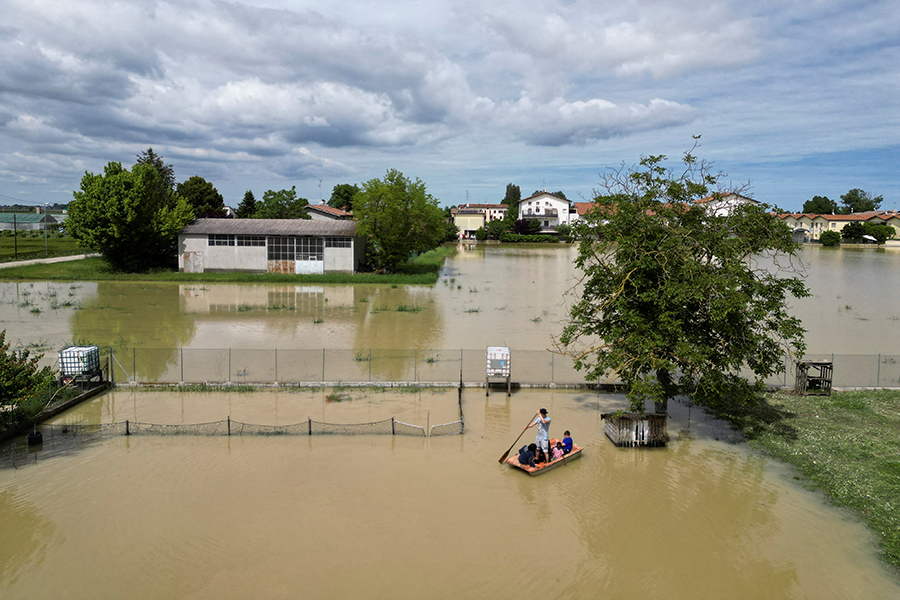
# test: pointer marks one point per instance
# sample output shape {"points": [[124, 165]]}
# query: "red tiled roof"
{"points": [[338, 212]]}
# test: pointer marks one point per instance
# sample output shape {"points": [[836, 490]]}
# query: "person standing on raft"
{"points": [[542, 439]]}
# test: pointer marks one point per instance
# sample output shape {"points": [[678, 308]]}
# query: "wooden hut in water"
{"points": [[635, 429]]}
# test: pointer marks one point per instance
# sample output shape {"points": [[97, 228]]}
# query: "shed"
{"points": [[299, 246], [635, 429]]}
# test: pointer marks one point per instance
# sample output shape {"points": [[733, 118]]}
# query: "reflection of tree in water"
{"points": [[403, 322], [26, 535], [699, 518], [146, 316]]}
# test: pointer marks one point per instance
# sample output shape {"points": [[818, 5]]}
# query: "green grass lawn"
{"points": [[27, 247], [846, 444]]}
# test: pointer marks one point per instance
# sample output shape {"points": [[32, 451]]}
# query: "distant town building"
{"points": [[548, 210], [470, 217]]}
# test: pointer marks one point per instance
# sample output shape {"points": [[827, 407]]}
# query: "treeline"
{"points": [[854, 201]]}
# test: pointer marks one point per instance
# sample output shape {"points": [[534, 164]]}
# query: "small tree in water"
{"points": [[676, 299]]}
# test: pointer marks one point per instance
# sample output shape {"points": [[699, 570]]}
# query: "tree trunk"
{"points": [[665, 380]]}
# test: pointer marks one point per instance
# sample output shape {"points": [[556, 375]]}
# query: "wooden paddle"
{"points": [[505, 454]]}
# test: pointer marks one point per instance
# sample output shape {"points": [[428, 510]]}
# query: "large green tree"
{"points": [[857, 201], [283, 204], [342, 196], [247, 206], [820, 205], [675, 299], [400, 217], [203, 198], [128, 217]]}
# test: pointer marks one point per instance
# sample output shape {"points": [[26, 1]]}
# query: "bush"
{"points": [[516, 238], [21, 383], [480, 234], [830, 238]]}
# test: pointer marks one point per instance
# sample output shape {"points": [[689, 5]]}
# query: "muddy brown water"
{"points": [[336, 516], [401, 517]]}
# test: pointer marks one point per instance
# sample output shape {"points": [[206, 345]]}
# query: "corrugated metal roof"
{"points": [[271, 227]]}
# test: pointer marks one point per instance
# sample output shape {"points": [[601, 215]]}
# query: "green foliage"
{"points": [[283, 204], [881, 233], [166, 172], [675, 299], [497, 228], [451, 232], [129, 217], [203, 198], [480, 234], [400, 217], [526, 238], [247, 207], [20, 378], [527, 226], [820, 205], [857, 201], [853, 231], [830, 238], [564, 231], [342, 196]]}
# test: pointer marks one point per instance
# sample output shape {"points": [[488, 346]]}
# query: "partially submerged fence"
{"points": [[423, 367]]}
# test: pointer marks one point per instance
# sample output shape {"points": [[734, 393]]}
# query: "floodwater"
{"points": [[400, 517], [335, 516], [488, 295]]}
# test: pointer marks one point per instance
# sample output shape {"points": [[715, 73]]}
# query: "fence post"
{"points": [[127, 429], [392, 426], [228, 418]]}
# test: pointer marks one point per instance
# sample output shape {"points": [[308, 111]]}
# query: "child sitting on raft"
{"points": [[567, 442]]}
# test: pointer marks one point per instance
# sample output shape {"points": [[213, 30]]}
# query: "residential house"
{"points": [[470, 217], [722, 204], [301, 246], [323, 212], [548, 210], [809, 227]]}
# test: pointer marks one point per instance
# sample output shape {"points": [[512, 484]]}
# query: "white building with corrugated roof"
{"points": [[299, 246]]}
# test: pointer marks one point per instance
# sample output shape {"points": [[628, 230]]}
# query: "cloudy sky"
{"points": [[798, 98]]}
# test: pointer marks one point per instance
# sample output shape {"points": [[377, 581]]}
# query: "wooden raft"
{"points": [[634, 429]]}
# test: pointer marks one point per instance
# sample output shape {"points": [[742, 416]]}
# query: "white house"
{"points": [[301, 246], [548, 209], [721, 205]]}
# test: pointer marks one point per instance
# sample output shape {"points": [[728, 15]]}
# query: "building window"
{"points": [[281, 248], [337, 242], [251, 240], [309, 248], [216, 239]]}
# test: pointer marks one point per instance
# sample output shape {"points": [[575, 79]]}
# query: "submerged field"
{"points": [[847, 445]]}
